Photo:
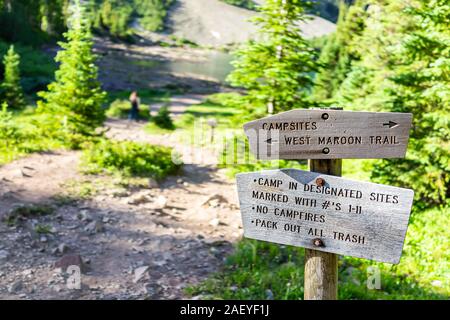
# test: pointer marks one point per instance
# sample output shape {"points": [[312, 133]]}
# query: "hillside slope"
{"points": [[213, 22]]}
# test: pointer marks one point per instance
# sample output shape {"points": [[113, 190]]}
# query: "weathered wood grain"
{"points": [[329, 134], [373, 229], [321, 268]]}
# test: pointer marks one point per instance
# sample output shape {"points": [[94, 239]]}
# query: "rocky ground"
{"points": [[145, 240]]}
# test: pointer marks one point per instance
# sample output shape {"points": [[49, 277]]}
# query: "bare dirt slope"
{"points": [[141, 242], [213, 22]]}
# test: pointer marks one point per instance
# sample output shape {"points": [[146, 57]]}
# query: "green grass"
{"points": [[26, 135], [194, 121], [220, 106], [153, 128], [43, 229], [257, 269], [119, 105], [128, 159]]}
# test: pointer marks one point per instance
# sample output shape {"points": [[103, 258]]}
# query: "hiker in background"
{"points": [[135, 101]]}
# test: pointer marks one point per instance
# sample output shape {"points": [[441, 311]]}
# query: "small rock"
{"points": [[27, 272], [140, 198], [215, 200], [84, 215], [15, 287], [179, 181], [214, 222], [152, 183], [70, 260], [139, 273], [43, 239], [63, 248], [269, 294], [160, 263], [94, 227], [4, 254], [214, 251], [120, 193], [185, 184], [161, 202]]}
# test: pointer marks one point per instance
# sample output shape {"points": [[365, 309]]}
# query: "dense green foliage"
{"points": [[11, 90], [129, 159], [75, 98], [162, 119], [152, 13], [339, 51], [394, 56], [421, 85], [327, 9], [36, 67], [112, 15], [38, 21], [32, 22], [24, 133], [9, 133], [276, 69]]}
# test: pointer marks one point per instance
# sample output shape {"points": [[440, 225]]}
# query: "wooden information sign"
{"points": [[329, 134], [325, 213]]}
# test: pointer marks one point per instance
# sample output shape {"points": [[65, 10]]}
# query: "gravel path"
{"points": [[148, 241]]}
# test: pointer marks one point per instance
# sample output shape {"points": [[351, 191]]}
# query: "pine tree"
{"points": [[276, 69], [340, 50], [11, 90], [75, 98], [421, 85]]}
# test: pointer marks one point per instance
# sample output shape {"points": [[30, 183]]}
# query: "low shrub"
{"points": [[129, 158], [163, 119]]}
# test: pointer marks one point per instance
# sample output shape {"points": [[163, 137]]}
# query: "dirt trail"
{"points": [[179, 103], [146, 242]]}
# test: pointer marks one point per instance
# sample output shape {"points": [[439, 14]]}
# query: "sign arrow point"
{"points": [[391, 124]]}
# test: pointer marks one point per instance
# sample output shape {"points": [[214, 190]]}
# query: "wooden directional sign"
{"points": [[329, 134], [325, 213]]}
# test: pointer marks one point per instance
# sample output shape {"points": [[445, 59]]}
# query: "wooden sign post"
{"points": [[317, 209], [321, 268], [329, 134]]}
